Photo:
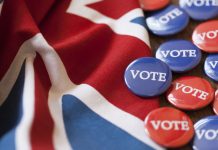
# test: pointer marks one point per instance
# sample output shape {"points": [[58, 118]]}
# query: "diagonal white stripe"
{"points": [[9, 79], [97, 103], [122, 26], [89, 96]]}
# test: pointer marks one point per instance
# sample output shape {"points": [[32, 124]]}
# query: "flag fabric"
{"points": [[61, 75]]}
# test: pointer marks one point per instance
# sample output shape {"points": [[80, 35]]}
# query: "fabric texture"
{"points": [[61, 75]]}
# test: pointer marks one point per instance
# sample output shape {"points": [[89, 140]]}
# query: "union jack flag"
{"points": [[61, 75]]}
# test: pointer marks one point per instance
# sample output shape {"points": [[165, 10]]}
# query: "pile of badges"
{"points": [[149, 76]]}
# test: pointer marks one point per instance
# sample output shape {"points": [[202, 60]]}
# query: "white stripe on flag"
{"points": [[122, 26], [9, 79], [22, 136], [60, 81], [60, 139], [127, 122], [25, 52]]}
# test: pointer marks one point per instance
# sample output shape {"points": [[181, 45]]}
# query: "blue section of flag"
{"points": [[140, 21], [11, 113], [86, 130], [7, 142]]}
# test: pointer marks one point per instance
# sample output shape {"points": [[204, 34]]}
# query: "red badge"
{"points": [[215, 104], [205, 36], [169, 127], [150, 5], [190, 93]]}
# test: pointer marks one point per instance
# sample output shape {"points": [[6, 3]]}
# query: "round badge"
{"points": [[153, 5], [206, 134], [148, 77], [211, 66], [205, 36], [169, 127], [168, 21], [200, 9], [190, 93], [180, 55], [215, 103]]}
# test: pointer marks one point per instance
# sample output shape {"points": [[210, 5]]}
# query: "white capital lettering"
{"points": [[200, 133], [184, 125], [187, 89], [203, 95], [170, 16], [134, 75], [200, 3], [162, 77], [147, 75], [177, 53], [190, 90], [213, 64], [170, 125], [202, 36], [164, 19], [210, 34], [192, 53], [165, 53], [154, 75], [196, 91], [210, 134], [179, 86], [176, 124], [155, 124], [166, 125]]}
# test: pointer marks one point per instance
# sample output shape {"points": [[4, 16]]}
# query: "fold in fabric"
{"points": [[61, 75]]}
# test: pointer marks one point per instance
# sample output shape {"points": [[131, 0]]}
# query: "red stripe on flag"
{"points": [[16, 26], [113, 8], [40, 9], [42, 127]]}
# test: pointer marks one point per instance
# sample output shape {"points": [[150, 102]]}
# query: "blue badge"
{"points": [[206, 134], [169, 21], [211, 66], [200, 9], [180, 55], [148, 77]]}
